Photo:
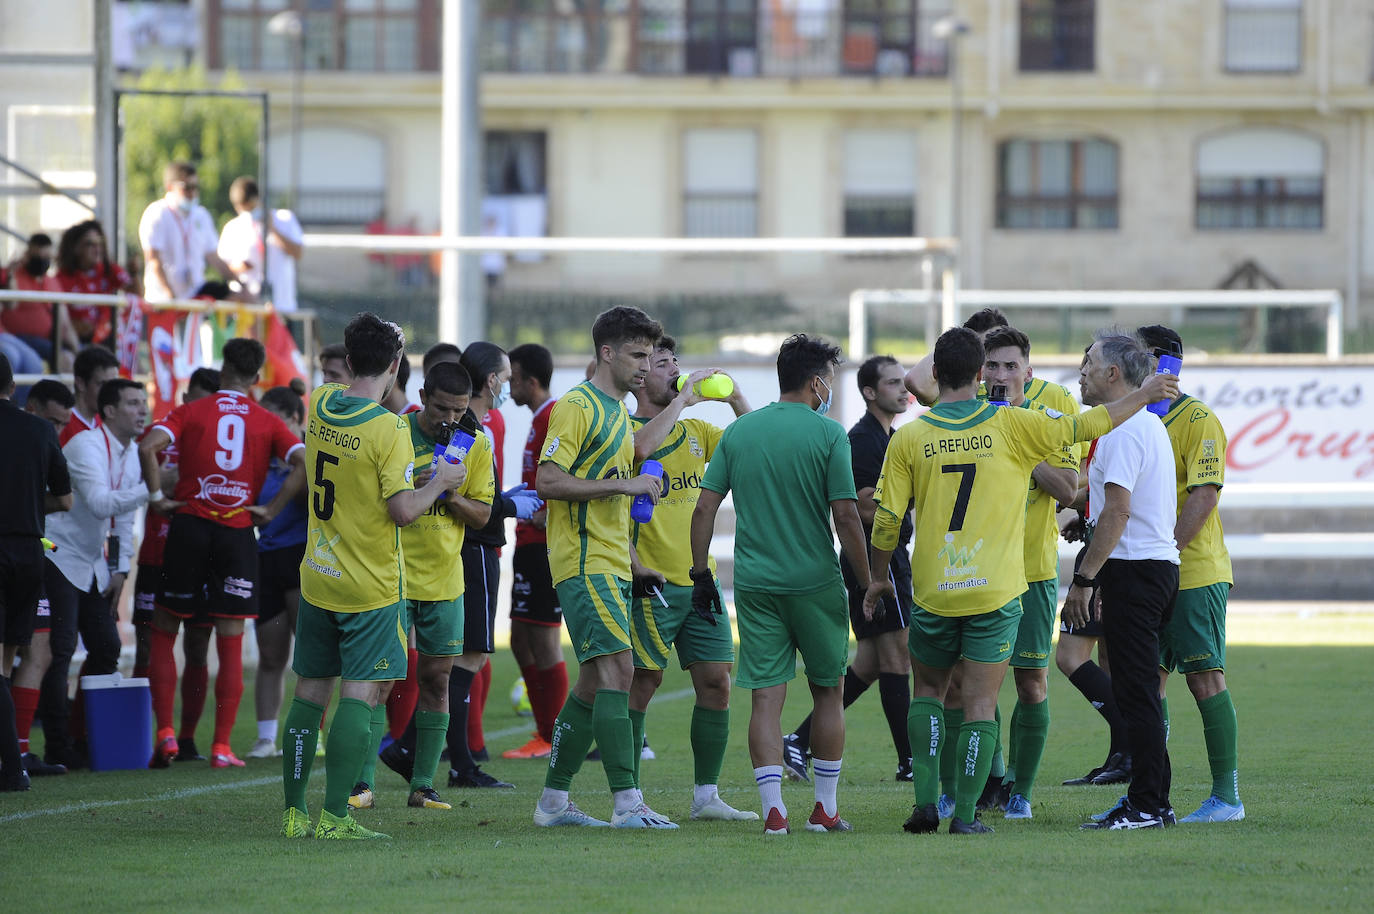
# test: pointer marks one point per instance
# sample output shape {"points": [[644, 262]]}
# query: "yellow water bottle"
{"points": [[715, 387]]}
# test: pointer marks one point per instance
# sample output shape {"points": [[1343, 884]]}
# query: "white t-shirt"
{"points": [[182, 242], [241, 242], [1136, 456]]}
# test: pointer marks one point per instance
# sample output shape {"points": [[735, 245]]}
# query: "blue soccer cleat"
{"points": [[946, 806], [1215, 809], [1018, 807]]}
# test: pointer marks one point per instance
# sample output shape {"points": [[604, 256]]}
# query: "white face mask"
{"points": [[824, 406], [501, 396], [185, 203]]}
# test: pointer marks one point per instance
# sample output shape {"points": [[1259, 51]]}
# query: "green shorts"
{"points": [[1194, 641], [939, 641], [438, 626], [361, 647], [597, 610], [774, 627], [1036, 630], [656, 629]]}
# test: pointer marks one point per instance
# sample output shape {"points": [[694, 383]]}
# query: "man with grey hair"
{"points": [[1133, 559]]}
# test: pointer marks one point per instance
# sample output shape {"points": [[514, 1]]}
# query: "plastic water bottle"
{"points": [[642, 508], [715, 387], [1168, 364], [997, 395], [456, 451]]}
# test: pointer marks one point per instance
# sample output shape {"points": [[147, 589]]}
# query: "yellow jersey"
{"points": [[1199, 444], [966, 466], [589, 437], [358, 455], [665, 542], [1042, 530], [434, 570]]}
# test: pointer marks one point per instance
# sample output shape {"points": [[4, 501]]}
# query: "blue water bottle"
{"points": [[456, 451], [642, 509], [1169, 363]]}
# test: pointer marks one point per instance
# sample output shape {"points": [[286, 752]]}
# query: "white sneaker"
{"points": [[641, 817], [264, 748], [568, 815], [718, 810]]}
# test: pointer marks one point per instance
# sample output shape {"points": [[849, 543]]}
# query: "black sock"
{"points": [[408, 738], [459, 684], [894, 690], [803, 733], [1096, 686], [9, 737]]}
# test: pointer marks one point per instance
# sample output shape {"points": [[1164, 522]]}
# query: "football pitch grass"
{"points": [[196, 839]]}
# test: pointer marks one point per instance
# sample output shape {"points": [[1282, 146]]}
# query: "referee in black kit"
{"points": [[36, 484], [882, 649], [1133, 559]]}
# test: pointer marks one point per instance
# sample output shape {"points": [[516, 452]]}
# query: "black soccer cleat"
{"points": [[187, 751], [795, 759], [1085, 779], [1125, 817], [398, 760], [38, 768], [14, 781], [904, 771], [988, 798], [924, 820], [475, 777], [1116, 771], [958, 826]]}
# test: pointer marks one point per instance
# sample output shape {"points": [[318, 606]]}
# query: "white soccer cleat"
{"points": [[264, 748], [641, 817], [568, 815], [717, 810]]}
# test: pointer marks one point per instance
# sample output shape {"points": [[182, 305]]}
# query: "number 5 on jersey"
{"points": [[323, 502]]}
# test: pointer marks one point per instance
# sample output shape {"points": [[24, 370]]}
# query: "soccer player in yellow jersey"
{"points": [[586, 478], [433, 579], [1054, 481], [663, 620], [964, 464], [1194, 641], [360, 464]]}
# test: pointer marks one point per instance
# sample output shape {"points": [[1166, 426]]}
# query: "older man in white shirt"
{"points": [[84, 577], [178, 238]]}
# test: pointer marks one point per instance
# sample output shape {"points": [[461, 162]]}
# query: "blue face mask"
{"points": [[824, 407], [501, 395]]}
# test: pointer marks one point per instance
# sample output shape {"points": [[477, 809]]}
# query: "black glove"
{"points": [[644, 585], [705, 596]]}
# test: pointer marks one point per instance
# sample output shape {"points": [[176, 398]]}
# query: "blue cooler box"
{"points": [[119, 722]]}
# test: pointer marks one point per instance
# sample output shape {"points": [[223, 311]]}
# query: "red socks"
{"points": [[228, 685], [548, 697], [405, 694], [162, 677], [477, 703], [25, 704], [195, 681]]}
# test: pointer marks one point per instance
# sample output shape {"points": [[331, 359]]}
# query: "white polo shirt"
{"points": [[1136, 455], [241, 242], [182, 241]]}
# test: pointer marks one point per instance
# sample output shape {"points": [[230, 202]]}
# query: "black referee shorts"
{"points": [[896, 613], [533, 599], [21, 584], [481, 578]]}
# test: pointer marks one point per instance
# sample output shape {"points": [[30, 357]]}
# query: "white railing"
{"points": [[953, 302]]}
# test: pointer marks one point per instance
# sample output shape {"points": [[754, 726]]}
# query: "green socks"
{"points": [[976, 745], [573, 735], [376, 727], [954, 719], [431, 732], [350, 735], [611, 723], [1030, 727], [925, 723], [637, 737], [710, 733], [1219, 731], [301, 736]]}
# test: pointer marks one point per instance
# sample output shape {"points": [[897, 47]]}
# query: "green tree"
{"points": [[219, 135]]}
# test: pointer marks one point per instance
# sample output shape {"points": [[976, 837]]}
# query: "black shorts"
{"points": [[481, 578], [21, 586], [1092, 629], [201, 554], [147, 590], [533, 599], [279, 571], [896, 615]]}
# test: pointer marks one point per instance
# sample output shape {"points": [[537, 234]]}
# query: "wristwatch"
{"points": [[1084, 582]]}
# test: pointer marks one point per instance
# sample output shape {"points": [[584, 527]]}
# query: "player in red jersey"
{"points": [[226, 445], [536, 618], [195, 676], [94, 366]]}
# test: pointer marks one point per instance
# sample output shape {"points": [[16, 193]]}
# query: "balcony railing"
{"points": [[670, 38], [339, 206]]}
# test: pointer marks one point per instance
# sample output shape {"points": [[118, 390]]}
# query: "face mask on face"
{"points": [[185, 203], [501, 396], [824, 407], [37, 266]]}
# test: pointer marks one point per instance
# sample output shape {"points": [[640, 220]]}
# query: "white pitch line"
{"points": [[185, 792]]}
